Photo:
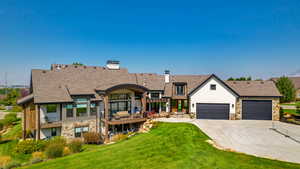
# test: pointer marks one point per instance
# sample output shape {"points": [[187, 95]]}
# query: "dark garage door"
{"points": [[212, 111], [257, 109]]}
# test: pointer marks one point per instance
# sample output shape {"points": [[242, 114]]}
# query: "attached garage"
{"points": [[257, 109], [212, 111]]}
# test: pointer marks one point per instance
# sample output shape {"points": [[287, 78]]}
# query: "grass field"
{"points": [[169, 146], [292, 104]]}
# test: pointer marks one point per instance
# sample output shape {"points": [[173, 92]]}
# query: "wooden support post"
{"points": [[24, 122], [38, 122], [144, 104]]}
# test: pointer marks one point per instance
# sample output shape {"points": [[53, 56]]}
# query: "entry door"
{"points": [[179, 106]]}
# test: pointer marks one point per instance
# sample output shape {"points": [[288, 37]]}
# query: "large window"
{"points": [[69, 109], [180, 90], [81, 109], [119, 102], [93, 109], [79, 131], [51, 108], [155, 95]]}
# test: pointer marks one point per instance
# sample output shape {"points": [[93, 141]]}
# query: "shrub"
{"points": [[75, 146], [57, 140], [1, 125], [16, 109], [9, 119], [287, 89], [92, 138], [4, 160], [38, 154], [119, 137], [2, 107], [54, 150], [66, 151], [29, 146], [12, 164]]}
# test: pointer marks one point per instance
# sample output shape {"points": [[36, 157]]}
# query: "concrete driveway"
{"points": [[253, 137]]}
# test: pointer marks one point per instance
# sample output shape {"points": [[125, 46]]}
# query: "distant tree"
{"points": [[287, 89], [12, 96], [231, 79], [249, 78], [77, 64], [258, 79]]}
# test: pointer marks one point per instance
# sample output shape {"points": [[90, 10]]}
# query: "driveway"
{"points": [[253, 137]]}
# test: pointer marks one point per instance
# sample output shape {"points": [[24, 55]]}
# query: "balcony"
{"points": [[123, 117]]}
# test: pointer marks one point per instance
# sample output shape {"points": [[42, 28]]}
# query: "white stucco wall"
{"points": [[221, 95], [51, 116]]}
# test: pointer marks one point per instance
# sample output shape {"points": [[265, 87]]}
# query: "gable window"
{"points": [[69, 110], [79, 131], [180, 90], [51, 108], [213, 87]]}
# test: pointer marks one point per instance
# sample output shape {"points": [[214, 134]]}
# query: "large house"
{"points": [[69, 100], [296, 82]]}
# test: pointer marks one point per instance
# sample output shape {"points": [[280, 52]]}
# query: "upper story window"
{"points": [[155, 95], [51, 108], [69, 110], [179, 89], [81, 106], [80, 100], [213, 87], [93, 109]]}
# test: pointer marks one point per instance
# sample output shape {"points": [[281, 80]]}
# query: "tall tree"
{"points": [[287, 89]]}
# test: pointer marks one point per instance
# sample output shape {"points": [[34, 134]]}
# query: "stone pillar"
{"points": [[106, 113], [144, 102], [132, 102]]}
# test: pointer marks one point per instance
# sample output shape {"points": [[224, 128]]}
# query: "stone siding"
{"points": [[275, 106], [68, 127]]}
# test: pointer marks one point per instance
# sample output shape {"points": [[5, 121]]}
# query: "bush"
{"points": [[4, 160], [54, 150], [75, 146], [92, 138], [9, 119], [12, 164], [1, 125], [17, 109], [29, 146], [66, 151], [57, 140], [38, 154], [2, 107], [119, 137]]}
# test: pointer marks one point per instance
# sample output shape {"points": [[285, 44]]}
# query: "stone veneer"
{"points": [[275, 106], [68, 127]]}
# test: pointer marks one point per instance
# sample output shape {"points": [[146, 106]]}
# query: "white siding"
{"points": [[205, 95]]}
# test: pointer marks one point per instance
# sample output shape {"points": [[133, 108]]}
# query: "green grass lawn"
{"points": [[292, 104], [170, 145], [9, 141]]}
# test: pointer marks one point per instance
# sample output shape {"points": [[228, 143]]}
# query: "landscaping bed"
{"points": [[168, 146]]}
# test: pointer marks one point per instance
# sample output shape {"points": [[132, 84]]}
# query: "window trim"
{"points": [[81, 131], [182, 87]]}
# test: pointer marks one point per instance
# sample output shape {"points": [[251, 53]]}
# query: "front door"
{"points": [[179, 105]]}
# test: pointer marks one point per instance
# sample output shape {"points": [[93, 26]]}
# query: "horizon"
{"points": [[229, 39]]}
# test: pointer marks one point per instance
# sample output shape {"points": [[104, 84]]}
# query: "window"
{"points": [[213, 87], [93, 109], [119, 102], [79, 131], [179, 89], [51, 108], [155, 95], [78, 100], [69, 109], [81, 109], [53, 132]]}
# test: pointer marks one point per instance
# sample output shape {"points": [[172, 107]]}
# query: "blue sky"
{"points": [[229, 38]]}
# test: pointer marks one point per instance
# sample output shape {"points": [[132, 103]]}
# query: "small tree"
{"points": [[230, 79], [287, 89], [78, 64]]}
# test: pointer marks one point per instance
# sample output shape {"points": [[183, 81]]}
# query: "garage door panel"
{"points": [[212, 111], [257, 109]]}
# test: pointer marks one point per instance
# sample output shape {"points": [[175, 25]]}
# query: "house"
{"points": [[296, 82], [69, 100]]}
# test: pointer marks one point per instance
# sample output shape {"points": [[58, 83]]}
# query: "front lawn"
{"points": [[291, 104], [170, 145]]}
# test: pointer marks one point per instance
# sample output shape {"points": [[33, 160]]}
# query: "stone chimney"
{"points": [[167, 76], [113, 64]]}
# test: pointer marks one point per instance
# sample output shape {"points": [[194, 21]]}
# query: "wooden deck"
{"points": [[51, 125], [124, 121]]}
